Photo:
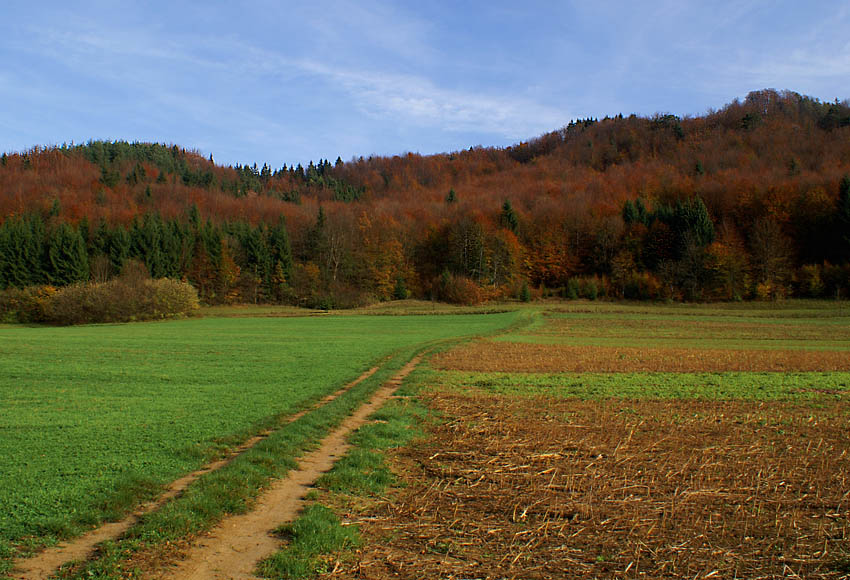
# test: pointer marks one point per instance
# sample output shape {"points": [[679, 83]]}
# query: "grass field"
{"points": [[94, 418], [575, 440], [668, 465]]}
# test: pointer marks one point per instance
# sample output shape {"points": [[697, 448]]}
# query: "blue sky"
{"points": [[287, 82]]}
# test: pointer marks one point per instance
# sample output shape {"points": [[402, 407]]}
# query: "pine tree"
{"points": [[317, 238], [629, 213], [118, 248], [842, 220], [279, 248], [509, 219], [67, 256]]}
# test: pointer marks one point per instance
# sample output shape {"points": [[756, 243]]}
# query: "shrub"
{"points": [[340, 296], [808, 281], [120, 301], [769, 291], [168, 298], [400, 291], [572, 290], [456, 289], [589, 288], [25, 304], [525, 293], [641, 286], [836, 280]]}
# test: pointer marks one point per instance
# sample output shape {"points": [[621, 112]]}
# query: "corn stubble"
{"points": [[551, 488], [551, 358]]}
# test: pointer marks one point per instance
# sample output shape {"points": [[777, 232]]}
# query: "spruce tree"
{"points": [[118, 248], [67, 256], [279, 248], [842, 220], [509, 219]]}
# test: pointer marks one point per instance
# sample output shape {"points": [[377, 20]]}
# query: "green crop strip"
{"points": [[815, 387], [718, 328]]}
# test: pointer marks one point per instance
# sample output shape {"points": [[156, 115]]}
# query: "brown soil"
{"points": [[687, 330], [47, 562], [551, 358], [580, 489], [233, 549]]}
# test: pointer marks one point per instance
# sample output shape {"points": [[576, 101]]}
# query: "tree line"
{"points": [[750, 201]]}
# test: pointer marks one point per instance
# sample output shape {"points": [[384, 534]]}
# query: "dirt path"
{"points": [[233, 548], [47, 562]]}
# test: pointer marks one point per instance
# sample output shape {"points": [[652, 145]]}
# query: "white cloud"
{"points": [[419, 101]]}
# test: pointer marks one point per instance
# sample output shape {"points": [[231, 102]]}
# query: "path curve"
{"points": [[45, 563], [234, 547]]}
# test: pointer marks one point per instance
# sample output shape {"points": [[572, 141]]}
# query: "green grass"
{"points": [[749, 386], [781, 309], [316, 532], [95, 418], [363, 470], [718, 327]]}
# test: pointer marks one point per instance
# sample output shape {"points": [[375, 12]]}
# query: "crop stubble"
{"points": [[491, 356], [575, 489]]}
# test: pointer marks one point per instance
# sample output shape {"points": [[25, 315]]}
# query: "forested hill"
{"points": [[750, 201]]}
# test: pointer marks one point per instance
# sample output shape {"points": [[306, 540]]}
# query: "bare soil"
{"points": [[555, 489], [494, 356], [45, 563]]}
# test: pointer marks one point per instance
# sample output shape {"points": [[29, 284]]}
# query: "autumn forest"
{"points": [[751, 201]]}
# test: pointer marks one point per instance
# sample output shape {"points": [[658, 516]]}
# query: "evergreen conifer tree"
{"points": [[67, 256]]}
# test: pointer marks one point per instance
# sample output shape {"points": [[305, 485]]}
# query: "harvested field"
{"points": [[494, 356], [564, 488], [697, 328], [716, 327]]}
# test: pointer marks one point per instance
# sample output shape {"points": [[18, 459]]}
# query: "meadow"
{"points": [[96, 418]]}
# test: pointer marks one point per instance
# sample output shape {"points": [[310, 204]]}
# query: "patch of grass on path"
{"points": [[316, 533]]}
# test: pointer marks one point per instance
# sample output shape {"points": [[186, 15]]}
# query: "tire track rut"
{"points": [[233, 548]]}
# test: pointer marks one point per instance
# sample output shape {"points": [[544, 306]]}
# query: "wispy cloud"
{"points": [[136, 59], [419, 101]]}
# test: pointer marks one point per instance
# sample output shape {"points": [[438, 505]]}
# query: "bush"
{"points": [[808, 282], [589, 288], [25, 305], [641, 286], [525, 293], [169, 298], [118, 300], [836, 280], [456, 290], [338, 296], [400, 292], [572, 290]]}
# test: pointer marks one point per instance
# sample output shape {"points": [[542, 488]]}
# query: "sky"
{"points": [[289, 82]]}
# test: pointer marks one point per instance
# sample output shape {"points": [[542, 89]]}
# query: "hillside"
{"points": [[750, 201]]}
